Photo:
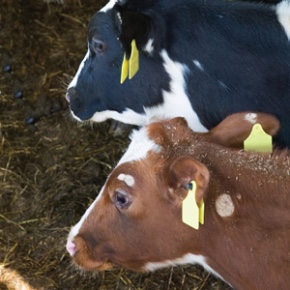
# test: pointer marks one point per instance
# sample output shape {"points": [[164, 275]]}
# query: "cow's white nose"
{"points": [[71, 247]]}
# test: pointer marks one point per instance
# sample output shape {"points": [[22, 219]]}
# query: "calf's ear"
{"points": [[182, 171], [234, 129], [133, 25]]}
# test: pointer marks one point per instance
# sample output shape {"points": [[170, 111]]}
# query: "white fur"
{"points": [[108, 6], [283, 14], [149, 46], [128, 116], [186, 259], [128, 179], [198, 65], [176, 102], [75, 229], [139, 147], [224, 205], [251, 117], [73, 83]]}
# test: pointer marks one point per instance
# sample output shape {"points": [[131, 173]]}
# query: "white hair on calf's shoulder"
{"points": [[176, 100]]}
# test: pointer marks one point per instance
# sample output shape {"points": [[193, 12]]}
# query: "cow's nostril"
{"points": [[67, 96], [71, 247], [70, 94]]}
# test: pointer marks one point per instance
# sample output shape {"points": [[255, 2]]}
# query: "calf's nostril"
{"points": [[71, 247], [70, 94], [67, 96]]}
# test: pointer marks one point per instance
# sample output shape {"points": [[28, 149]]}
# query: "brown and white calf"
{"points": [[135, 222]]}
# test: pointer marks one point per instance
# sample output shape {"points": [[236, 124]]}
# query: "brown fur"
{"points": [[250, 249]]}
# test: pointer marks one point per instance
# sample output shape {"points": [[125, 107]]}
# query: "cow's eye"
{"points": [[98, 45], [121, 199]]}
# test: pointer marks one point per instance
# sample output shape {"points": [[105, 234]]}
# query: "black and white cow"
{"points": [[202, 60]]}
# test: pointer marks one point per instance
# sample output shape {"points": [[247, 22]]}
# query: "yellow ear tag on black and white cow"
{"points": [[125, 69], [258, 140], [133, 60], [192, 214], [130, 66]]}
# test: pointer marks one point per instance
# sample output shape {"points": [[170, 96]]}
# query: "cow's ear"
{"points": [[133, 25], [182, 171], [234, 129]]}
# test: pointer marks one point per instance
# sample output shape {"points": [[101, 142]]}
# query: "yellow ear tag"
{"points": [[125, 69], [258, 140], [133, 60], [191, 213], [201, 212]]}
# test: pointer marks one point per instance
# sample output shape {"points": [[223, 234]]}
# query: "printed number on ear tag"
{"points": [[258, 140], [131, 66], [192, 214]]}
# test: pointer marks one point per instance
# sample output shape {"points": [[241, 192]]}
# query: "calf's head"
{"points": [[96, 93], [135, 222]]}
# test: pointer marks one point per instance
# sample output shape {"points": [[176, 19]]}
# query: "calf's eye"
{"points": [[98, 45], [121, 199]]}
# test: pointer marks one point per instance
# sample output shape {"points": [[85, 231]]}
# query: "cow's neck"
{"points": [[234, 239]]}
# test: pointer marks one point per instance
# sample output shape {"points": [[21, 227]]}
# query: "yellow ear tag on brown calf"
{"points": [[133, 60], [125, 69], [201, 212], [258, 140], [192, 214]]}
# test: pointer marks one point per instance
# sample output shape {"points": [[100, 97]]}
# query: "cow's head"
{"points": [[96, 92], [135, 222]]}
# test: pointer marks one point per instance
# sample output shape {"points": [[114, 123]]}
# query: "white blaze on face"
{"points": [[73, 83], [283, 14], [128, 179], [224, 205], [251, 117], [138, 149], [75, 229]]}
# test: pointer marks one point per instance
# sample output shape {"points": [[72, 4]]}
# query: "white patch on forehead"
{"points": [[128, 179], [186, 259], [283, 14], [108, 6], [198, 65], [149, 46], [251, 117], [176, 102], [73, 83], [139, 146], [224, 205], [75, 229]]}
